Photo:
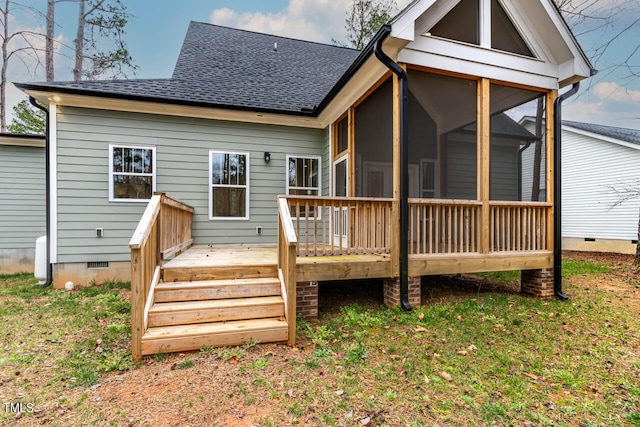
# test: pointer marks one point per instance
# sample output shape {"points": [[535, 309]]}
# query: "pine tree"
{"points": [[27, 120]]}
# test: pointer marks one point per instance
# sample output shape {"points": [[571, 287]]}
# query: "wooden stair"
{"points": [[213, 307]]}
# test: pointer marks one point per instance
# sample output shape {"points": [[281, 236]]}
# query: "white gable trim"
{"points": [[593, 135], [403, 25], [480, 62], [570, 66], [582, 62]]}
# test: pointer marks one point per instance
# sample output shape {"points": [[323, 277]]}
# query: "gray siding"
{"points": [[504, 173], [22, 196], [461, 171], [182, 150]]}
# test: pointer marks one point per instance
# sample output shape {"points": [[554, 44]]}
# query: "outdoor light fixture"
{"points": [[267, 156]]}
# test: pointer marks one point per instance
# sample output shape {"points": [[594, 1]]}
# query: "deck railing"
{"points": [[443, 226], [341, 225], [519, 226], [287, 248], [163, 231]]}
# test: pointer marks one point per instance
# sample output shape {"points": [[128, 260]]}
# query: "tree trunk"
{"points": [[636, 261], [3, 73], [79, 42], [49, 48]]}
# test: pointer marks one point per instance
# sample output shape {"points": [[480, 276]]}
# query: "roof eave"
{"points": [[159, 100]]}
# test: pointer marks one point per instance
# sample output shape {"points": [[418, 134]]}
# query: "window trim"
{"points": [[246, 186], [304, 156], [153, 175]]}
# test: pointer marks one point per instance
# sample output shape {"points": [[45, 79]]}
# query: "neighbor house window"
{"points": [[229, 184], [132, 173]]}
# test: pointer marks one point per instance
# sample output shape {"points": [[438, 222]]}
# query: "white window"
{"points": [[229, 185], [303, 175], [132, 173]]}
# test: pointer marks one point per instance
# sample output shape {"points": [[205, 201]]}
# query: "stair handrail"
{"points": [[163, 230], [287, 255]]}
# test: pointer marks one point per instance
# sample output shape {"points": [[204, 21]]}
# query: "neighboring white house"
{"points": [[22, 200], [597, 160]]}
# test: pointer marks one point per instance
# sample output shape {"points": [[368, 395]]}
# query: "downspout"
{"points": [[404, 165], [557, 192], [47, 161]]}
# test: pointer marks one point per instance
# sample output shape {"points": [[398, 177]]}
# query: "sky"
{"points": [[156, 29]]}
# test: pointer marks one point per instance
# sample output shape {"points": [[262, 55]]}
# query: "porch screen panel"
{"points": [[518, 145], [442, 136], [374, 143], [461, 23]]}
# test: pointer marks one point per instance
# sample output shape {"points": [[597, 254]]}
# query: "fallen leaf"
{"points": [[463, 353], [472, 347], [533, 377], [365, 421], [459, 318], [445, 376], [339, 392], [420, 329], [421, 316]]}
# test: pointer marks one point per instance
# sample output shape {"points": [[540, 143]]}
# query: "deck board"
{"points": [[230, 260]]}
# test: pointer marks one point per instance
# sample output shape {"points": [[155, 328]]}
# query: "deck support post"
{"points": [[391, 291], [307, 300], [537, 283]]}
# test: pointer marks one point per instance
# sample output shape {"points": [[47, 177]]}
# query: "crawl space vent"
{"points": [[98, 264]]}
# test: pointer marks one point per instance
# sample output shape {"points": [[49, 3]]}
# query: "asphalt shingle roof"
{"points": [[622, 134], [226, 67]]}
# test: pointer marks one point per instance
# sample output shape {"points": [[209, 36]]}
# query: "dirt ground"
{"points": [[160, 393]]}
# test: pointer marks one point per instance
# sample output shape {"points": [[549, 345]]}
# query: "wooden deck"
{"points": [[238, 262], [227, 295]]}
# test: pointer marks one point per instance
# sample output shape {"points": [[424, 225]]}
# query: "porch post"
{"points": [[550, 130], [483, 162], [395, 207]]}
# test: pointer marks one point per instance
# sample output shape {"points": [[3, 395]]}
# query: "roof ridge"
{"points": [[272, 35]]}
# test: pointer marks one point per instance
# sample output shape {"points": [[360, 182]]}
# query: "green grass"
{"points": [[78, 335], [570, 268], [481, 359], [578, 267], [511, 360]]}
